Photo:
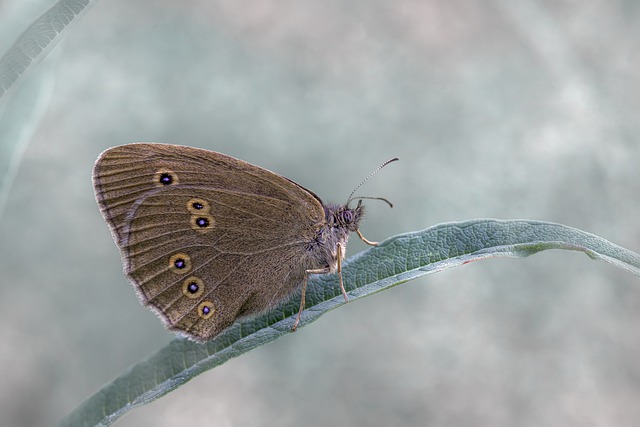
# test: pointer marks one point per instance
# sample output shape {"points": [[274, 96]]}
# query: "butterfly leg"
{"points": [[304, 293], [365, 240], [344, 292]]}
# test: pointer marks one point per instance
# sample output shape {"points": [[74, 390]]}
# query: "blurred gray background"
{"points": [[506, 109]]}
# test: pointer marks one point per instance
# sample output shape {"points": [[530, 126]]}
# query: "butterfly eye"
{"points": [[202, 223], [180, 263], [198, 206], [347, 216], [165, 177], [193, 287], [206, 309]]}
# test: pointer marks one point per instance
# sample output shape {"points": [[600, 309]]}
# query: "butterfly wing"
{"points": [[205, 238]]}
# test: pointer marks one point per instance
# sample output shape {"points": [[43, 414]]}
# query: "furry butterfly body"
{"points": [[206, 238]]}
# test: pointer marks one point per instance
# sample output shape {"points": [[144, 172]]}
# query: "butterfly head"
{"points": [[345, 217]]}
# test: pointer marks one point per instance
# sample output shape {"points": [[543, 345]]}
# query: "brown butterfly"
{"points": [[207, 238]]}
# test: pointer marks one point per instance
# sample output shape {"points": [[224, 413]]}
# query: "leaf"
{"points": [[37, 41], [19, 118], [19, 123], [395, 261]]}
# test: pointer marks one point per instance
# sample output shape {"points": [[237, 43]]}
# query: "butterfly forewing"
{"points": [[205, 237]]}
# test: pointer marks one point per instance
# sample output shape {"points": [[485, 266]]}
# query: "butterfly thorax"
{"points": [[340, 220]]}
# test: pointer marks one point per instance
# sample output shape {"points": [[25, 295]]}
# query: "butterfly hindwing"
{"points": [[204, 237]]}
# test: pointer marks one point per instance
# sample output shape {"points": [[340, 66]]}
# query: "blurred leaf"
{"points": [[395, 261], [20, 117], [20, 121], [37, 41]]}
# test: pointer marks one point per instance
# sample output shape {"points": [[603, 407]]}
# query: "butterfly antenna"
{"points": [[374, 198], [366, 179]]}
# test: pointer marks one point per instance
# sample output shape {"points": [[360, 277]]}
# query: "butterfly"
{"points": [[206, 238]]}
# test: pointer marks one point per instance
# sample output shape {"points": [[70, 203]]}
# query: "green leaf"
{"points": [[395, 261]]}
